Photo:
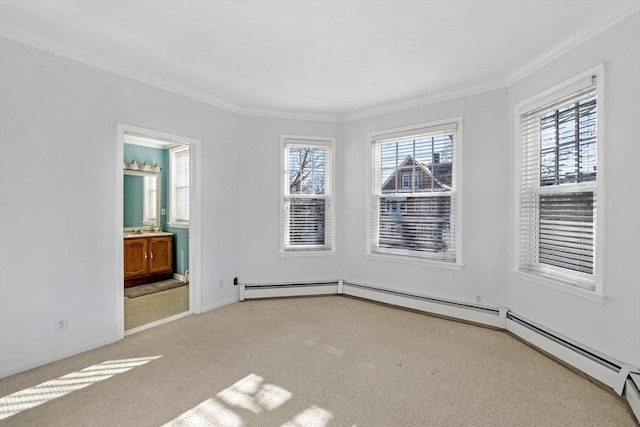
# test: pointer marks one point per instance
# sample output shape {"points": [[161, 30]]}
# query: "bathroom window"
{"points": [[179, 186]]}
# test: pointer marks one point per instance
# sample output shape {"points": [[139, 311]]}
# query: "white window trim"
{"points": [[172, 222], [309, 251], [563, 89], [458, 180]]}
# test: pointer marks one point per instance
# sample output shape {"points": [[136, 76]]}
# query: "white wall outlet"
{"points": [[61, 324], [162, 211], [221, 283]]}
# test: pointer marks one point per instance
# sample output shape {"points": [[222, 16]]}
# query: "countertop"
{"points": [[129, 235]]}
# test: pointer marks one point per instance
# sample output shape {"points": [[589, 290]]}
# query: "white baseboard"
{"points": [[219, 304], [179, 277], [34, 363]]}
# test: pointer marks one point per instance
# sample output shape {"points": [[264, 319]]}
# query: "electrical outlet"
{"points": [[61, 324], [221, 283], [479, 299]]}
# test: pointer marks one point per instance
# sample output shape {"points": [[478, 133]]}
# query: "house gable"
{"points": [[415, 176]]}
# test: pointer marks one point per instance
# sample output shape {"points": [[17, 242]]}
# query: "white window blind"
{"points": [[179, 185], [558, 186], [307, 195], [414, 192]]}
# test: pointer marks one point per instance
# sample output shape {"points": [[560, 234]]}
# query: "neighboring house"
{"points": [[307, 222], [411, 220]]}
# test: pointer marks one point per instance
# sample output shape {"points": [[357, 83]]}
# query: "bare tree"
{"points": [[303, 170]]}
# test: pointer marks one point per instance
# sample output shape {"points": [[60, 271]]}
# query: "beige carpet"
{"points": [[313, 362], [160, 305]]}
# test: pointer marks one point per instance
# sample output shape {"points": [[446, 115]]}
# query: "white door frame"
{"points": [[195, 216]]}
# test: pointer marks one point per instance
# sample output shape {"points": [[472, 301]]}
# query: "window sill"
{"points": [[307, 253], [415, 261], [561, 286], [178, 225]]}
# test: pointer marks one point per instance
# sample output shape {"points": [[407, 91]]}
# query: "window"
{"points": [[179, 186], [415, 192], [559, 184], [307, 190], [406, 180]]}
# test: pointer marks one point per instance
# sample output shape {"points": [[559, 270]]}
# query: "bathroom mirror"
{"points": [[141, 199]]}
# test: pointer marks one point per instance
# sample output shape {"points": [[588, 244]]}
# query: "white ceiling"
{"points": [[331, 60]]}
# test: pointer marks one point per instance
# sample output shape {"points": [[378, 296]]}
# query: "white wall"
{"points": [[613, 327], [260, 204], [57, 182]]}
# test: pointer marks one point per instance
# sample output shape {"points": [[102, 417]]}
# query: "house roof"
{"points": [[440, 173]]}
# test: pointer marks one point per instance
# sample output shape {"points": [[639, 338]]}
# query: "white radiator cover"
{"points": [[614, 374], [632, 393], [276, 290]]}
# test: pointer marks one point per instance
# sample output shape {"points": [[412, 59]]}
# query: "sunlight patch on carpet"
{"points": [[251, 393], [47, 391]]}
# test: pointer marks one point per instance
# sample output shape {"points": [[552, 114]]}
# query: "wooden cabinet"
{"points": [[135, 257], [147, 259], [160, 254]]}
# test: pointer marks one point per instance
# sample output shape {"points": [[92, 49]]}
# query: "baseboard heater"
{"points": [[604, 369], [275, 290], [632, 393], [473, 313]]}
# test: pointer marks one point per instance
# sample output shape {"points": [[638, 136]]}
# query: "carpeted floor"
{"points": [[315, 362]]}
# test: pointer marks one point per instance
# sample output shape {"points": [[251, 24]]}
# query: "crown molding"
{"points": [[93, 60], [421, 100], [153, 80], [290, 114], [597, 25]]}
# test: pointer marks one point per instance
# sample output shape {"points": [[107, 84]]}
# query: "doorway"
{"points": [[157, 227]]}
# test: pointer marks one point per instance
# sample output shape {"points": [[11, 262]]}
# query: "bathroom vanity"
{"points": [[148, 257]]}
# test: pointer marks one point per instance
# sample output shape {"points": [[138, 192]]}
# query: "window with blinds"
{"points": [[414, 192], [307, 201], [179, 186], [559, 176]]}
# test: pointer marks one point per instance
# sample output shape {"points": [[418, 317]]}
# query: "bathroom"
{"points": [[156, 230]]}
